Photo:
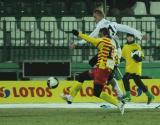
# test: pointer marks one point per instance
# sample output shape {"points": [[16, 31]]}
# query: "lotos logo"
{"points": [[88, 91], [26, 92], [31, 92], [4, 92]]}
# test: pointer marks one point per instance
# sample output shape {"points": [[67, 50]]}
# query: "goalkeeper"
{"points": [[132, 54]]}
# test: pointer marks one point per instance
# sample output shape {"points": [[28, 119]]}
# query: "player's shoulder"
{"points": [[103, 23], [137, 45], [105, 40], [105, 20], [125, 45]]}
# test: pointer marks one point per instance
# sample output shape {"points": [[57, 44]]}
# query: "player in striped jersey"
{"points": [[104, 66]]}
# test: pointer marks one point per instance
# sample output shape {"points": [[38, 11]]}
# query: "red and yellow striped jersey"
{"points": [[105, 50]]}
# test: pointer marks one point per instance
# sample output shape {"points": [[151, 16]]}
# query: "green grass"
{"points": [[78, 117]]}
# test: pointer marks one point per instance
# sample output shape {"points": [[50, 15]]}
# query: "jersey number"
{"points": [[111, 53]]}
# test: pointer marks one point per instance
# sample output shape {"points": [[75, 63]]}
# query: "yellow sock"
{"points": [[75, 89], [109, 98]]}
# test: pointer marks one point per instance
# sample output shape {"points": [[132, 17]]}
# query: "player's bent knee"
{"points": [[80, 79], [83, 76]]}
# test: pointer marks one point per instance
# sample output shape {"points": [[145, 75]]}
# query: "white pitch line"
{"points": [[77, 105]]}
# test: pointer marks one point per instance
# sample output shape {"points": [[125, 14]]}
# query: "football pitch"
{"points": [[49, 116]]}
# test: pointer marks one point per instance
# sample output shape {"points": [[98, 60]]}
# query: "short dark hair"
{"points": [[128, 34], [105, 32], [99, 12]]}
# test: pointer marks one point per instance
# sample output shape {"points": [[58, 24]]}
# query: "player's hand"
{"points": [[72, 45], [75, 32]]}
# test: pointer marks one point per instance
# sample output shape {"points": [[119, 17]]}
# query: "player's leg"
{"points": [[115, 86], [97, 91], [126, 83], [81, 78], [141, 85], [76, 88], [114, 83], [100, 77], [86, 75]]}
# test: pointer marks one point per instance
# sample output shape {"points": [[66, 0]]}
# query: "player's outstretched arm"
{"points": [[127, 29], [94, 34], [87, 38]]}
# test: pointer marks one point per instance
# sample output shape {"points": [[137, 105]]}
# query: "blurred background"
{"points": [[40, 31]]}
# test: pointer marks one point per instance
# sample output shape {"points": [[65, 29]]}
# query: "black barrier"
{"points": [[46, 68]]}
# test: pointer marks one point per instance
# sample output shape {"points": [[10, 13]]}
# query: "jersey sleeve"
{"points": [[103, 23], [123, 52], [89, 39], [127, 29], [94, 33]]}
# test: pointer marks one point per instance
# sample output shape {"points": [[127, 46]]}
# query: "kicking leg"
{"points": [[75, 89], [97, 91], [115, 86], [102, 95]]}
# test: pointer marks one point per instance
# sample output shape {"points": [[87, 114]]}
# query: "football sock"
{"points": [[128, 93], [148, 94], [109, 98], [75, 89], [116, 88]]}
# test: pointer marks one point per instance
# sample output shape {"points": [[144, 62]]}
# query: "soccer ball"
{"points": [[136, 52], [52, 82]]}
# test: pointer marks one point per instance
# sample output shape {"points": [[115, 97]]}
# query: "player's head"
{"points": [[130, 38], [98, 15], [104, 32]]}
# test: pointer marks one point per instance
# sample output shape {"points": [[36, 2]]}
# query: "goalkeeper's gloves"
{"points": [[137, 58], [75, 32]]}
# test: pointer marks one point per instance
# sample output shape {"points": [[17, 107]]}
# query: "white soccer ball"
{"points": [[137, 52], [52, 82]]}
